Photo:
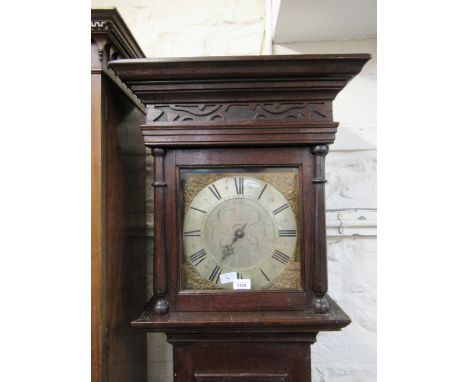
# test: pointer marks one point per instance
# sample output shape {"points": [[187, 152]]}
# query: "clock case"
{"points": [[239, 111]]}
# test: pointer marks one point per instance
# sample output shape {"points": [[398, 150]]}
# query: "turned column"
{"points": [[161, 305], [319, 258]]}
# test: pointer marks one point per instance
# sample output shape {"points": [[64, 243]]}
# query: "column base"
{"points": [[320, 305], [160, 305]]}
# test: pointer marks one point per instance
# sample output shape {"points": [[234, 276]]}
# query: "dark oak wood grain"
{"points": [[273, 322], [160, 289], [319, 258], [241, 133], [125, 272], [117, 196], [334, 66], [232, 80], [260, 361]]}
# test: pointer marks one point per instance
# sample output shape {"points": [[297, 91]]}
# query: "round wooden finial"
{"points": [[158, 152], [320, 150]]}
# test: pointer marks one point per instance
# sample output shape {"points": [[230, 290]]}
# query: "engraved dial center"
{"points": [[239, 233]]}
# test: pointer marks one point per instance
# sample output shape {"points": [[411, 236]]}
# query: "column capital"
{"points": [[157, 152], [319, 150]]}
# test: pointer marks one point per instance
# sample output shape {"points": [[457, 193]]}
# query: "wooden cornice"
{"points": [[109, 23], [242, 67], [248, 78], [239, 101], [112, 40]]}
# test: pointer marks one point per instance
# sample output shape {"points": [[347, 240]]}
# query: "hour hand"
{"points": [[227, 251]]}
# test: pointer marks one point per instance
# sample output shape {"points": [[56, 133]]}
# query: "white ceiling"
{"points": [[323, 20]]}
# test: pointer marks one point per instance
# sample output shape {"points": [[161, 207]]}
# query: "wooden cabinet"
{"points": [[118, 208]]}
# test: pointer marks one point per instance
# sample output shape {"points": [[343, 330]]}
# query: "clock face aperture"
{"points": [[239, 224]]}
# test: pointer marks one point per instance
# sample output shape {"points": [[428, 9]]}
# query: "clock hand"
{"points": [[238, 234], [227, 251]]}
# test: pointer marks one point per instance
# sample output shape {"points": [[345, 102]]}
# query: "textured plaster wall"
{"points": [[350, 355], [179, 28], [236, 27]]}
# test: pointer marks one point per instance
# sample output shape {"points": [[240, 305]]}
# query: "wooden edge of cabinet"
{"points": [[237, 67], [306, 321]]}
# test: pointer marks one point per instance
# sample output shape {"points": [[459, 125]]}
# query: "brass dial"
{"points": [[239, 224]]}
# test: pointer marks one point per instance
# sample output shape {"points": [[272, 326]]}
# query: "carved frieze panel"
{"points": [[307, 111]]}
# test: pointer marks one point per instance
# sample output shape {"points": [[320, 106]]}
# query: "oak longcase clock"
{"points": [[239, 147]]}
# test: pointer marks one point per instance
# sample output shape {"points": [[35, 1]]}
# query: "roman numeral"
{"points": [[215, 274], [280, 208], [198, 257], [287, 233], [196, 209], [193, 233], [263, 190], [215, 191], [281, 257], [264, 274], [239, 276], [239, 182]]}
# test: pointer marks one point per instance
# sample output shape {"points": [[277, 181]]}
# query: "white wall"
{"points": [[236, 27], [181, 28], [350, 355]]}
